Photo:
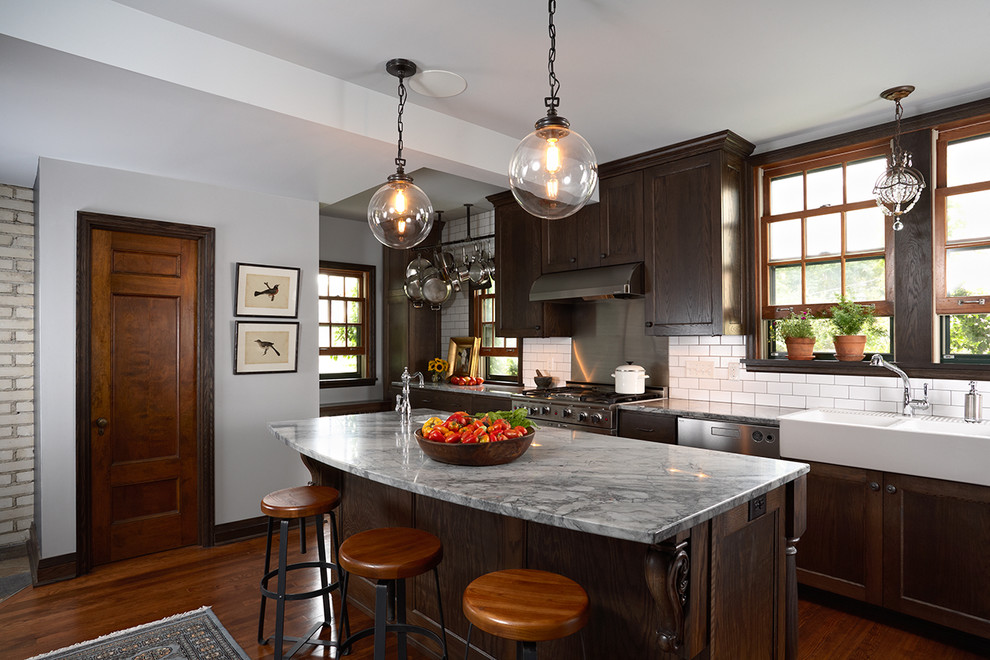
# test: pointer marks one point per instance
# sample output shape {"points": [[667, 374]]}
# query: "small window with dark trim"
{"points": [[346, 330], [961, 242], [499, 357]]}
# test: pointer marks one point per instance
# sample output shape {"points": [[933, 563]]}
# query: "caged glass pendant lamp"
{"points": [[400, 214], [899, 187], [553, 171]]}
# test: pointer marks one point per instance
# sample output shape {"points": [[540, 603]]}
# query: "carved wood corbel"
{"points": [[667, 576]]}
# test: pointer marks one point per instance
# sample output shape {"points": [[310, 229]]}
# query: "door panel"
{"points": [[143, 382]]}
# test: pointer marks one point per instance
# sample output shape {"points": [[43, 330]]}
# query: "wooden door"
{"points": [[143, 394]]}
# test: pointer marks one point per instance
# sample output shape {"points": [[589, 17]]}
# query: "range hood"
{"points": [[623, 281]]}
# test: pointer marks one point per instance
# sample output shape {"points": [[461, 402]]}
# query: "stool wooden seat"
{"points": [[526, 605], [284, 505], [389, 555]]}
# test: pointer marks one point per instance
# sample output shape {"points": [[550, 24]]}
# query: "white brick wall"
{"points": [[16, 363], [720, 355]]}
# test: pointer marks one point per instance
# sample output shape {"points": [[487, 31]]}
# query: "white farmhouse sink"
{"points": [[924, 446]]}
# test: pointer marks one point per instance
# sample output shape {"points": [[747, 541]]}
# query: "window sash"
{"points": [[363, 349]]}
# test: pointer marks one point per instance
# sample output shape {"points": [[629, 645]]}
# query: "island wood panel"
{"points": [[747, 582]]}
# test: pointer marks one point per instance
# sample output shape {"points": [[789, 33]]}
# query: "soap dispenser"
{"points": [[974, 404]]}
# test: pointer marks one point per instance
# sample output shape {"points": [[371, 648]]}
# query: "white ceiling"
{"points": [[291, 97]]}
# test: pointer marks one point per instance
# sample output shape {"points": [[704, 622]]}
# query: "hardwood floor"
{"points": [[137, 591]]}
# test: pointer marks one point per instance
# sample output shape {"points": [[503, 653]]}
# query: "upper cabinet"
{"points": [[518, 257], [694, 247], [604, 234]]}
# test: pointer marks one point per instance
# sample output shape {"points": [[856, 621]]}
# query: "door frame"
{"points": [[205, 238]]}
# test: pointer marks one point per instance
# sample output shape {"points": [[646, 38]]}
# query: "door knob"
{"points": [[891, 488], [874, 485], [101, 424]]}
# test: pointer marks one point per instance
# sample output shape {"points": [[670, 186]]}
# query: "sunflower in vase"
{"points": [[437, 368]]}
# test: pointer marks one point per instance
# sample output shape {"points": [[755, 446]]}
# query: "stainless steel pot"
{"points": [[630, 379]]}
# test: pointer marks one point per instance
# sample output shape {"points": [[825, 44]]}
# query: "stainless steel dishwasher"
{"points": [[729, 436]]}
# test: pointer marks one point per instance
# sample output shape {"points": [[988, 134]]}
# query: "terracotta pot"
{"points": [[849, 348], [800, 348]]}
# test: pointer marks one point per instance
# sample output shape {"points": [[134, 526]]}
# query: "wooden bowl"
{"points": [[487, 453]]}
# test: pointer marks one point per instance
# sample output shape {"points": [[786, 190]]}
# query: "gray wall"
{"points": [[351, 241], [250, 227]]}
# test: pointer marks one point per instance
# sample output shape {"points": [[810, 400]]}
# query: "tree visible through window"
{"points": [[823, 236], [346, 313], [499, 356]]}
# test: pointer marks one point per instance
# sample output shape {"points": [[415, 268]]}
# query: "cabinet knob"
{"points": [[573, 259], [649, 324], [537, 327], [891, 488], [602, 255], [874, 485]]}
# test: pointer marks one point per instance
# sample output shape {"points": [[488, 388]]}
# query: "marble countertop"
{"points": [[616, 487]]}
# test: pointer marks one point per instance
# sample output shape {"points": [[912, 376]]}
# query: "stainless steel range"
{"points": [[581, 406]]}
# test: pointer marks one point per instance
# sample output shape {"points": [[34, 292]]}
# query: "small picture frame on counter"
{"points": [[264, 348], [267, 291], [462, 357]]}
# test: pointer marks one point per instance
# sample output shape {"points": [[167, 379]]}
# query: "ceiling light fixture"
{"points": [[553, 172], [899, 187], [400, 214]]}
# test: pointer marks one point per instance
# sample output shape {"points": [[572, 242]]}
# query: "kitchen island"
{"points": [[681, 550]]}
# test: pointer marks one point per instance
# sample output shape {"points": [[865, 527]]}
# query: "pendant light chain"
{"points": [[400, 162], [552, 101], [896, 151]]}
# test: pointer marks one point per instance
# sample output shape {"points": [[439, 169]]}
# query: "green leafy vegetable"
{"points": [[517, 417]]}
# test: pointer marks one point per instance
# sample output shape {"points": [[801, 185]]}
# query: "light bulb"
{"points": [[553, 172], [400, 214]]}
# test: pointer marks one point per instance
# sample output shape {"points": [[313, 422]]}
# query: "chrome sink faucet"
{"points": [[910, 405], [402, 404]]}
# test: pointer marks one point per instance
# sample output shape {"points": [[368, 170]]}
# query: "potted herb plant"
{"points": [[851, 321], [799, 336]]}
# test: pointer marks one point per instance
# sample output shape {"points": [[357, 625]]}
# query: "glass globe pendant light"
{"points": [[899, 187], [400, 214], [553, 171]]}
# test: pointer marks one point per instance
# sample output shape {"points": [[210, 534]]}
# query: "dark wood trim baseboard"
{"points": [[240, 530], [49, 569], [333, 409]]}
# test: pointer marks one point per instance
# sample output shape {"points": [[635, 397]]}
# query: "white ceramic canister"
{"points": [[630, 379]]}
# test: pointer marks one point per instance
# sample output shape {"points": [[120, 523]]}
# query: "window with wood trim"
{"points": [[346, 317], [499, 357], [822, 236], [961, 241]]}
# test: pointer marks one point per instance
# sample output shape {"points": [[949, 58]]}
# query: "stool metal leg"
{"points": [[400, 618], [381, 616], [335, 546], [283, 551], [467, 642], [525, 650], [321, 547], [302, 536], [443, 627], [268, 567]]}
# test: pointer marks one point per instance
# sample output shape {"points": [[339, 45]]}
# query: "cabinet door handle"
{"points": [[642, 430], [891, 488], [874, 485]]}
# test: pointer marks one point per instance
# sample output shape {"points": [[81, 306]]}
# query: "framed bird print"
{"points": [[264, 348], [267, 291]]}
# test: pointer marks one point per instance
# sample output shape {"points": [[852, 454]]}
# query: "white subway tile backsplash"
{"points": [[767, 376], [767, 400], [744, 397], [864, 393], [836, 391], [698, 395], [755, 386], [820, 402], [850, 404], [793, 378], [687, 341], [821, 379], [710, 340], [698, 350], [720, 350], [732, 386], [807, 389], [857, 381], [720, 396], [793, 401], [780, 388]]}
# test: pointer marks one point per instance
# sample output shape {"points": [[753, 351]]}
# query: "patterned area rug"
{"points": [[195, 635]]}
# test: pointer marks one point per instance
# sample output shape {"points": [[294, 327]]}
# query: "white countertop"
{"points": [[616, 487]]}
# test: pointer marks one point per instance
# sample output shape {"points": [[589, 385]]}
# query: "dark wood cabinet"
{"points": [[694, 249], [605, 234], [648, 426], [910, 544], [412, 336], [517, 265], [454, 401]]}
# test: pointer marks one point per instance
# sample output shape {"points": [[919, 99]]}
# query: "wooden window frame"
{"points": [[477, 295], [944, 303], [884, 307], [366, 273]]}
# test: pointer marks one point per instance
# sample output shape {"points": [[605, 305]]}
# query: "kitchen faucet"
{"points": [[910, 405], [402, 400]]}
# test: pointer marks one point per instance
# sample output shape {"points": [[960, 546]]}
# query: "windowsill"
{"points": [[346, 382], [863, 368]]}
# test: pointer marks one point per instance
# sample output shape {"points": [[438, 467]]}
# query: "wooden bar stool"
{"points": [[390, 555], [525, 605], [297, 504]]}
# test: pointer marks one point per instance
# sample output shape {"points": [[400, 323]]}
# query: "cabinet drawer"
{"points": [[648, 426]]}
